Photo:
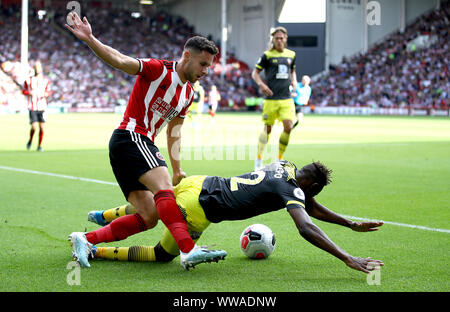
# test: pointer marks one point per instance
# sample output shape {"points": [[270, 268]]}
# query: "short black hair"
{"points": [[199, 44], [318, 172]]}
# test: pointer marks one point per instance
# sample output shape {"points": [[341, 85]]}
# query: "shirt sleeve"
{"points": [[293, 63], [150, 69], [294, 199], [183, 112], [262, 62]]}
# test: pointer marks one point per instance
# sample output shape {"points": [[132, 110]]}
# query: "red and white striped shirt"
{"points": [[158, 96], [40, 87]]}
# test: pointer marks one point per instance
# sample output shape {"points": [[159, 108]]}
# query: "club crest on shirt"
{"points": [[299, 193], [160, 156]]}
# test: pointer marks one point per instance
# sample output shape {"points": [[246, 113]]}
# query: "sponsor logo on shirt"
{"points": [[164, 109]]}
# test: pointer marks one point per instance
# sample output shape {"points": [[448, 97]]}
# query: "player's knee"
{"points": [[151, 223], [287, 126], [150, 218], [161, 255]]}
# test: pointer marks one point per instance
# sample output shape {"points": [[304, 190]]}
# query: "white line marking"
{"points": [[420, 227], [58, 175]]}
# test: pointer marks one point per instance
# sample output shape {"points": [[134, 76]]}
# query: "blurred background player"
{"points": [[37, 89], [213, 100], [212, 199], [278, 62], [303, 92], [197, 103]]}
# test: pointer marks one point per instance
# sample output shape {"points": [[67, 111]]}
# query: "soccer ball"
{"points": [[257, 241]]}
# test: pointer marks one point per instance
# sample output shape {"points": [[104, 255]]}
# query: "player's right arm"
{"points": [[262, 86], [82, 30], [318, 238], [256, 76], [26, 90]]}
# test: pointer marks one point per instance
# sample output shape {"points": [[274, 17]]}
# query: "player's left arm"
{"points": [[318, 238], [174, 148], [320, 212], [293, 74], [293, 79], [48, 92]]}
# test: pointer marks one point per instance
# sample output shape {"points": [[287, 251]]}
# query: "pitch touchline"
{"points": [[420, 227]]}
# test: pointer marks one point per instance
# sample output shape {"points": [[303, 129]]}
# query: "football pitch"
{"points": [[395, 169]]}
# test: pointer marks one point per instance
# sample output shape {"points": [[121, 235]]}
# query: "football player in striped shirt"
{"points": [[37, 89], [211, 199], [161, 96]]}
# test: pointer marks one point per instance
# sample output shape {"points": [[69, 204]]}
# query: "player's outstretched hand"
{"points": [[80, 28], [178, 177], [363, 264], [366, 226]]}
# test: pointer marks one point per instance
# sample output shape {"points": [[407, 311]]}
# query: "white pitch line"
{"points": [[57, 175], [420, 227]]}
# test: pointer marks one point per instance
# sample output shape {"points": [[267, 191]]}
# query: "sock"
{"points": [[173, 219], [133, 253], [262, 142], [117, 230], [41, 136], [295, 124], [31, 135], [282, 144], [114, 213], [112, 253]]}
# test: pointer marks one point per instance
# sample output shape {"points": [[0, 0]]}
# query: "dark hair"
{"points": [[199, 44], [319, 173], [324, 173]]}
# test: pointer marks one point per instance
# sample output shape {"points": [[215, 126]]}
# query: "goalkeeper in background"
{"points": [[211, 199]]}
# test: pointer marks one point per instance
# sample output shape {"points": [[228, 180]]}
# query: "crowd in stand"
{"points": [[79, 78], [398, 72]]}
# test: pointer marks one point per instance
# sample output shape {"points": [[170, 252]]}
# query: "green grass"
{"points": [[390, 168]]}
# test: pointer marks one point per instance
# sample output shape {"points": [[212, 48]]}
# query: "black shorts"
{"points": [[299, 108], [131, 155], [37, 116]]}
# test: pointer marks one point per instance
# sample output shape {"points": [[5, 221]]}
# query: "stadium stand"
{"points": [[80, 80], [409, 69]]}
